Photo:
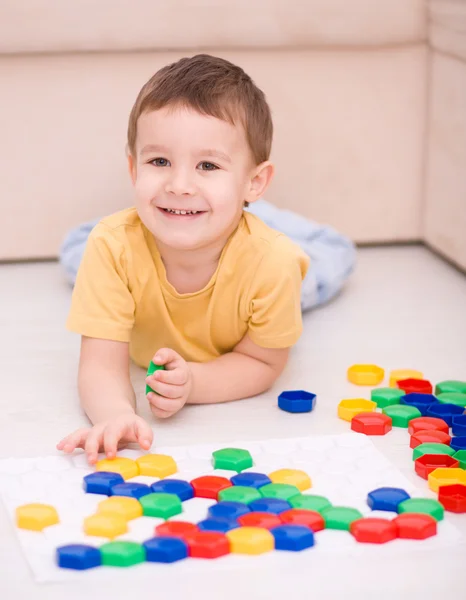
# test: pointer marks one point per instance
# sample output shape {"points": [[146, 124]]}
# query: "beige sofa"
{"points": [[368, 96]]}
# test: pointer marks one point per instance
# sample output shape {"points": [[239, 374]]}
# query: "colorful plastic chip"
{"points": [[460, 456], [161, 505], [425, 464], [412, 526], [310, 502], [427, 436], [119, 506], [208, 544], [183, 489], [79, 557], [266, 520], [365, 374], [458, 443], [282, 491], [424, 423], [450, 386], [250, 479], [126, 467], [210, 486], [386, 396], [449, 476], [398, 374], [294, 477], [250, 540], [228, 510], [426, 506], [217, 524], [371, 423], [401, 415], [297, 401], [36, 516], [150, 371], [157, 465], [418, 400], [131, 490], [107, 526], [122, 554], [453, 497], [239, 493], [458, 425], [101, 482], [272, 505], [412, 385], [307, 518], [373, 531], [340, 517], [386, 498], [293, 538], [350, 407], [179, 529], [432, 448], [453, 398], [445, 411], [232, 459], [165, 549]]}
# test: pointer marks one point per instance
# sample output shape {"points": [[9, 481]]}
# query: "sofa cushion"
{"points": [[447, 26], [106, 25]]}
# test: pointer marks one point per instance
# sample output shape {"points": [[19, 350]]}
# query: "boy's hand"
{"points": [[173, 384], [108, 436]]}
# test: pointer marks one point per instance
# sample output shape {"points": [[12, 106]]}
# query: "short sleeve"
{"points": [[102, 305], [275, 296]]}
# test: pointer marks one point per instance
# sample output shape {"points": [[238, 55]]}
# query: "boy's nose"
{"points": [[179, 183]]}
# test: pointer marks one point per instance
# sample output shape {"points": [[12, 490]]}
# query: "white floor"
{"points": [[403, 308]]}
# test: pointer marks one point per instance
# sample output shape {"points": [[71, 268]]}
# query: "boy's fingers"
{"points": [[92, 445], [174, 377], [167, 357], [160, 414], [170, 405], [144, 434], [167, 390], [111, 436], [73, 441]]}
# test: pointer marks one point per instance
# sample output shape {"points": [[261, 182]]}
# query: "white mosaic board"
{"points": [[344, 468]]}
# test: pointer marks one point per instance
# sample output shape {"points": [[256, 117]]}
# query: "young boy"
{"points": [[186, 278]]}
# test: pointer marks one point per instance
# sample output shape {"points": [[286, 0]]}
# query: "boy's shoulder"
{"points": [[120, 220], [270, 243]]}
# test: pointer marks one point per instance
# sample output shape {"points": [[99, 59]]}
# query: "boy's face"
{"points": [[186, 161]]}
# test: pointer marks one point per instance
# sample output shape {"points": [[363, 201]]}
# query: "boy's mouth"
{"points": [[181, 213]]}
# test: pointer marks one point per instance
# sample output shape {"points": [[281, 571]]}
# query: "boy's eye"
{"points": [[207, 166], [160, 162]]}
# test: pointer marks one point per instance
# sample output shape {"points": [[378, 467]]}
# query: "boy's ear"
{"points": [[131, 166], [261, 177]]}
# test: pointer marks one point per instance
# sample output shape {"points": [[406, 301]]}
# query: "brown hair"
{"points": [[212, 86]]}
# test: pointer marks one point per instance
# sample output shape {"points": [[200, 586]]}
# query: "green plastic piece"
{"points": [[401, 414], [340, 517], [161, 505], [232, 459], [122, 554], [239, 493], [460, 456], [432, 448], [152, 368], [283, 491], [386, 396], [308, 502], [452, 398], [450, 386], [427, 506]]}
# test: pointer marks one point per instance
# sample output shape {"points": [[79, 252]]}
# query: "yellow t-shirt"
{"points": [[122, 292]]}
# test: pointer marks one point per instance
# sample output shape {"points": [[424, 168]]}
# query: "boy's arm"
{"points": [[246, 371], [104, 384]]}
